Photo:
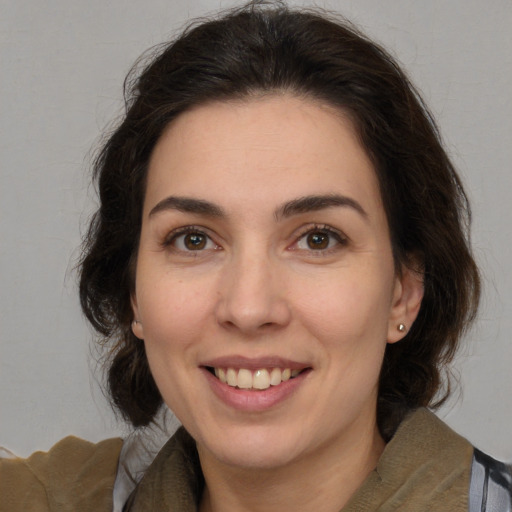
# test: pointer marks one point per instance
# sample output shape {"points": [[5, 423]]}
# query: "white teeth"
{"points": [[244, 379], [232, 377], [275, 377], [260, 379], [221, 374]]}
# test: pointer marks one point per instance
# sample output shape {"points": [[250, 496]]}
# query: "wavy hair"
{"points": [[264, 48]]}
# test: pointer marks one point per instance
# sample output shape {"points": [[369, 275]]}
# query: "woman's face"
{"points": [[265, 253]]}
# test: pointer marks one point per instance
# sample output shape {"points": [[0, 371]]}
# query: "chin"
{"points": [[253, 456], [252, 447]]}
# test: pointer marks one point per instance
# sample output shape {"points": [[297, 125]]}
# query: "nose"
{"points": [[252, 296]]}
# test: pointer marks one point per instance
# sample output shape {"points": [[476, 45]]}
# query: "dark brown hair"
{"points": [[264, 48]]}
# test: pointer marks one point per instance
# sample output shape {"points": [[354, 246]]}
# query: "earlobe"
{"points": [[137, 328], [407, 298]]}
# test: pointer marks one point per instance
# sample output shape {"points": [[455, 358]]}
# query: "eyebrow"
{"points": [[294, 207], [317, 202], [188, 205]]}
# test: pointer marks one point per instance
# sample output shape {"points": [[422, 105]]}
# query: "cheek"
{"points": [[351, 308], [174, 312], [176, 317]]}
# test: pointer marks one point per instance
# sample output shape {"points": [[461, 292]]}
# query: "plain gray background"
{"points": [[62, 65]]}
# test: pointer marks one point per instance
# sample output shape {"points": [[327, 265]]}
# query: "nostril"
{"points": [[251, 313]]}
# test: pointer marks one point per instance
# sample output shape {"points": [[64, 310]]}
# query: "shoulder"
{"points": [[490, 481], [490, 488], [73, 475]]}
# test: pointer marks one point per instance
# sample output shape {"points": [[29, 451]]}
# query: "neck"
{"points": [[322, 481]]}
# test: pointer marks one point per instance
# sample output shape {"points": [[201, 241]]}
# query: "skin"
{"points": [[256, 288]]}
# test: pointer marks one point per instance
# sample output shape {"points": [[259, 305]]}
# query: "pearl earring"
{"points": [[401, 328]]}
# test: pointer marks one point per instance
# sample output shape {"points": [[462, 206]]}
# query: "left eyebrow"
{"points": [[188, 205], [317, 202]]}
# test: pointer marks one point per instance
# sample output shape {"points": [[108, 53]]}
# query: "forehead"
{"points": [[269, 148]]}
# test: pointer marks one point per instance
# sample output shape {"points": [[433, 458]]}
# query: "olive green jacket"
{"points": [[425, 467], [74, 476]]}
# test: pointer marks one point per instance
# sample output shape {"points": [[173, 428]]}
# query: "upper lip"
{"points": [[237, 361]]}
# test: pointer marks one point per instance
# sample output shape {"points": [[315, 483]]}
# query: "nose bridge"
{"points": [[251, 293]]}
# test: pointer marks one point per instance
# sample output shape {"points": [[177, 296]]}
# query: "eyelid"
{"points": [[338, 235], [171, 237]]}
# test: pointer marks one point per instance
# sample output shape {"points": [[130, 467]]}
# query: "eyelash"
{"points": [[322, 229], [171, 239]]}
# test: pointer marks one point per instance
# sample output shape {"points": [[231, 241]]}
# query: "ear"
{"points": [[407, 297], [137, 327]]}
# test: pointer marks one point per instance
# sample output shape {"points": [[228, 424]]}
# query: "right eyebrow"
{"points": [[318, 202], [188, 205]]}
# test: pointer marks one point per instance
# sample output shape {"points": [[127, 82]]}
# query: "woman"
{"points": [[280, 256]]}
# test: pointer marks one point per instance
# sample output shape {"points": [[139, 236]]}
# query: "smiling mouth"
{"points": [[257, 380]]}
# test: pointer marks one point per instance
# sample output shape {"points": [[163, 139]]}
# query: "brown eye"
{"points": [[321, 239], [194, 241], [318, 240]]}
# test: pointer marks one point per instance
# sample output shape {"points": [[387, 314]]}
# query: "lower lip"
{"points": [[254, 401]]}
